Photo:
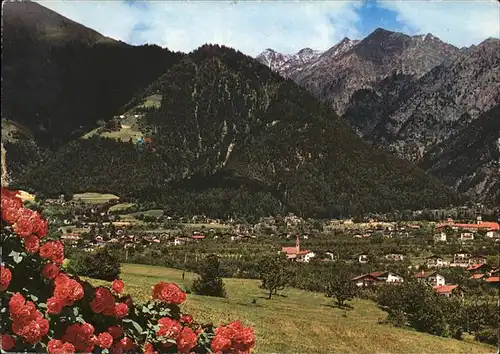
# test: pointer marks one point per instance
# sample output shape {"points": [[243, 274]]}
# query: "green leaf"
{"points": [[16, 256], [33, 297], [42, 305], [105, 351]]}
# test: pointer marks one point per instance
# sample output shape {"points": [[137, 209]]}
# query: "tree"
{"points": [[210, 281], [340, 287], [275, 274], [98, 265]]}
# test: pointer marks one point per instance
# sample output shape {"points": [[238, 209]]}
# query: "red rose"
{"points": [[220, 344], [244, 340], [103, 302], [115, 331], [187, 340], [41, 228], [32, 244], [68, 348], [6, 277], [50, 271], [117, 286], [54, 346], [8, 342], [186, 319], [149, 349], [127, 344], [54, 305], [53, 250], [16, 304], [105, 340], [169, 328], [32, 333], [11, 206], [25, 221], [121, 310], [169, 293], [81, 336]]}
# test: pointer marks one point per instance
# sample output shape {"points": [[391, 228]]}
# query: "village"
{"points": [[447, 244]]}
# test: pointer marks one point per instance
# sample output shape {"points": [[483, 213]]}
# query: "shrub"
{"points": [[44, 309], [210, 281], [98, 265]]}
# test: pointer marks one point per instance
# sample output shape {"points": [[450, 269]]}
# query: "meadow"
{"points": [[298, 321]]}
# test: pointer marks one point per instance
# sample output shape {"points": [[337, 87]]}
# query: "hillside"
{"points": [[406, 94], [59, 78], [470, 158], [230, 136], [283, 324]]}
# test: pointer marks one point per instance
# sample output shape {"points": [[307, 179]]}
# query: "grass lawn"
{"points": [[300, 322], [121, 206], [153, 212], [95, 198], [206, 226]]}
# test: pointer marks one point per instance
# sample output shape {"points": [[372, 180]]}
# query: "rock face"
{"points": [[287, 65], [407, 94]]}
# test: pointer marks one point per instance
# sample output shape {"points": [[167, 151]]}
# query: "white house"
{"points": [[466, 236], [441, 237], [435, 262], [377, 278], [363, 258], [394, 256], [179, 241], [432, 277], [461, 258], [305, 256]]}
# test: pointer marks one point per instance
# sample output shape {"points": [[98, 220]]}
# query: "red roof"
{"points": [[424, 274], [289, 250], [493, 280], [476, 276], [481, 225], [363, 276], [444, 289], [198, 237], [476, 266]]}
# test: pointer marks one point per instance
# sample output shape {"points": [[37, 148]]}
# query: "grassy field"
{"points": [[121, 206], [206, 226], [300, 322], [94, 198]]}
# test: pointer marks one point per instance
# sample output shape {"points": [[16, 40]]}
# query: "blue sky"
{"points": [[286, 26]]}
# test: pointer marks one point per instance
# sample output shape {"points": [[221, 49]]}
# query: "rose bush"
{"points": [[44, 309]]}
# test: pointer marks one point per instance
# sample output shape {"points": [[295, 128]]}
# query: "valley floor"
{"points": [[299, 321]]}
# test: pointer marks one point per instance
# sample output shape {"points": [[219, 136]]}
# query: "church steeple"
{"points": [[297, 244]]}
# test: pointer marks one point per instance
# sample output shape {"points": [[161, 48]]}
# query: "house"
{"points": [[440, 237], [491, 234], [365, 280], [330, 255], [477, 276], [466, 236], [493, 281], [198, 237], [435, 262], [394, 256], [294, 253], [478, 268], [377, 278], [477, 260], [363, 258], [479, 225], [431, 277], [461, 258], [447, 290], [180, 241]]}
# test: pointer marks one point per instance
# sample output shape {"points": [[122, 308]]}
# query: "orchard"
{"points": [[43, 309]]}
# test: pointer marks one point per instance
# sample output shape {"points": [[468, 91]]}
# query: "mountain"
{"points": [[288, 64], [470, 158], [407, 94], [59, 77], [229, 136]]}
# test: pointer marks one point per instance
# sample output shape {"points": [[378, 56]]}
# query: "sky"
{"points": [[285, 26]]}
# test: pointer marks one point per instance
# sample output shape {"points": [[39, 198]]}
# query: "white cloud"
{"points": [[249, 26], [461, 23]]}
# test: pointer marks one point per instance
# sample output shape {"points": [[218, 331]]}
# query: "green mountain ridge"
{"points": [[231, 137]]}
